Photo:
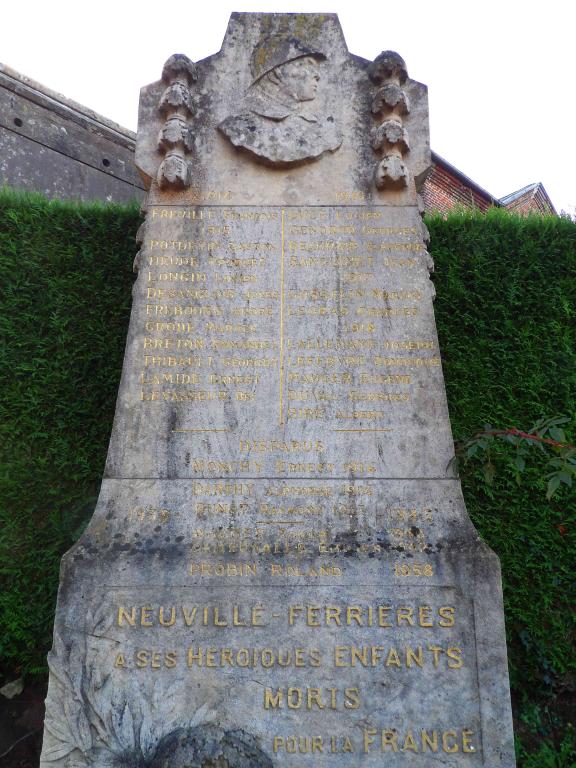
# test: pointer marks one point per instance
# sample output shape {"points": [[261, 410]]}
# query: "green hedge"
{"points": [[65, 277], [505, 309], [506, 316]]}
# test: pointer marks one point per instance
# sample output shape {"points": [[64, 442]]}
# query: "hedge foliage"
{"points": [[505, 311], [506, 316], [65, 277]]}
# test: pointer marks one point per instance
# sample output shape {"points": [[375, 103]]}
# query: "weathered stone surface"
{"points": [[174, 172], [176, 96], [392, 173], [390, 133], [52, 145], [280, 570], [275, 122], [175, 132], [388, 66], [391, 97], [179, 66]]}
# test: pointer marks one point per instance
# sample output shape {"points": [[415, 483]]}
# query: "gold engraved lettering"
{"points": [[183, 213], [371, 615], [238, 277], [172, 361], [322, 229], [289, 446], [406, 344], [307, 572], [229, 329], [407, 514], [199, 656], [408, 657], [150, 327], [388, 311], [411, 362], [467, 745], [328, 246], [178, 310], [233, 262], [389, 246], [156, 659], [219, 466], [209, 196], [311, 698], [303, 468], [413, 569], [332, 262], [228, 570], [320, 378], [249, 344], [194, 344], [185, 277], [450, 741], [373, 230], [351, 196], [249, 362], [205, 615], [149, 514], [183, 245], [362, 415], [177, 293], [229, 214], [382, 295], [304, 745], [388, 397], [169, 260], [298, 491], [399, 262]]}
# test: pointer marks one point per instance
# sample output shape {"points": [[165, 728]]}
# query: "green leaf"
{"points": [[553, 485], [472, 450], [557, 434], [489, 473]]}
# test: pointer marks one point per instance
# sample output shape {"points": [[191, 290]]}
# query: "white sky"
{"points": [[501, 75]]}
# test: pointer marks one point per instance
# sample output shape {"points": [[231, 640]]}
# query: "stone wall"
{"points": [[53, 145]]}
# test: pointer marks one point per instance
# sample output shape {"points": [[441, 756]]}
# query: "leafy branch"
{"points": [[547, 436]]}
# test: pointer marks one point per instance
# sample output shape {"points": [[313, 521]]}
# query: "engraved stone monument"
{"points": [[280, 570]]}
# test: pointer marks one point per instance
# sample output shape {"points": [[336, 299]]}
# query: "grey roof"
{"points": [[515, 195], [534, 188]]}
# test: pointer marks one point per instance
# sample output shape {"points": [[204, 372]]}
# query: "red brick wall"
{"points": [[444, 190], [533, 201]]}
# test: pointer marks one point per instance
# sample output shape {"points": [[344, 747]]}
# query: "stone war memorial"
{"points": [[280, 570]]}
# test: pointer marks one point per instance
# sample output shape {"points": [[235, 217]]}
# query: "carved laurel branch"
{"points": [[93, 723], [390, 104], [80, 722]]}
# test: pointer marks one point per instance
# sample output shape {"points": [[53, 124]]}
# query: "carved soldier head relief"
{"points": [[276, 121], [295, 81]]}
